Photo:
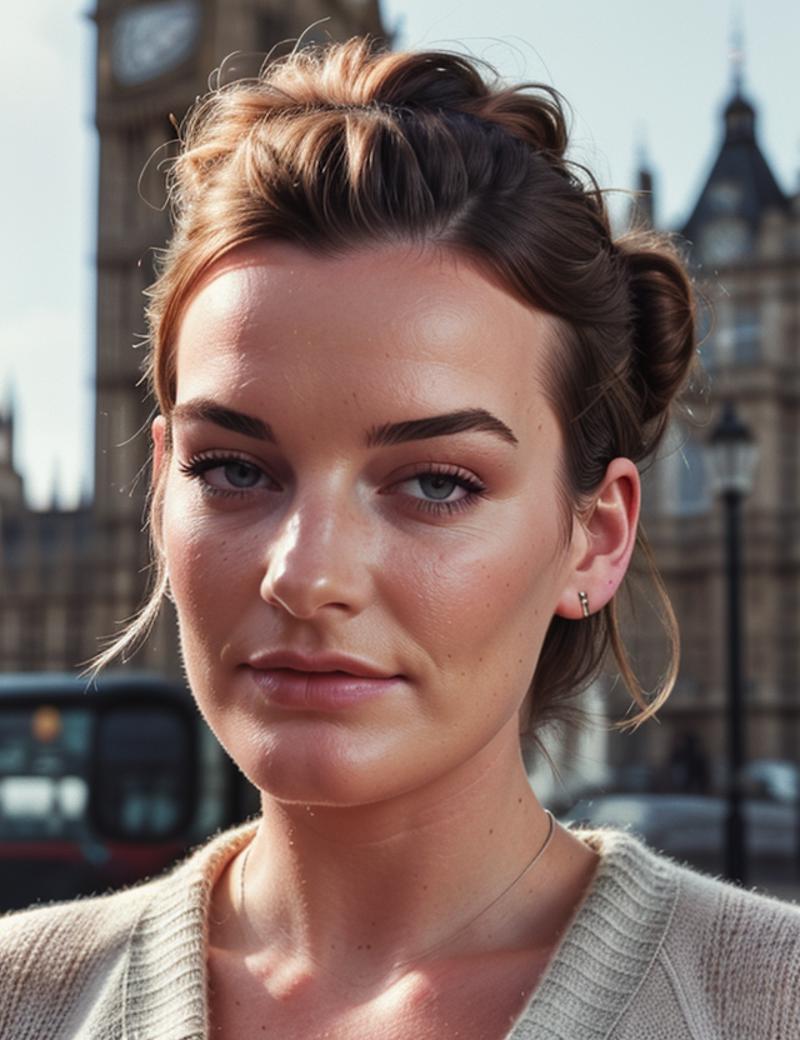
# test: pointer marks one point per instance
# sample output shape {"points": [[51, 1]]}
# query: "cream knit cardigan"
{"points": [[655, 952]]}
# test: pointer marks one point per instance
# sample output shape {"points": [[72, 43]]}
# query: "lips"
{"points": [[325, 682], [312, 663]]}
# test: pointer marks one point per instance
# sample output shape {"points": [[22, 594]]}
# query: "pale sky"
{"points": [[633, 72]]}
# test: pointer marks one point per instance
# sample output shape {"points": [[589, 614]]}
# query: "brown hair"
{"points": [[349, 145]]}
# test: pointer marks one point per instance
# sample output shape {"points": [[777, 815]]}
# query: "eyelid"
{"points": [[439, 469], [430, 465]]}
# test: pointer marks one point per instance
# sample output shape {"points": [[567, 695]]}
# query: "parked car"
{"points": [[691, 828], [774, 779]]}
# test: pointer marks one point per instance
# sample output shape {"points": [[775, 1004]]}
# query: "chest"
{"points": [[474, 1002]]}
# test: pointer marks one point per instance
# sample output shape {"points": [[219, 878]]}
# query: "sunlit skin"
{"points": [[387, 824]]}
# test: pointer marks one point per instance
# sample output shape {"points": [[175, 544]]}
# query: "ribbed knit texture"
{"points": [[655, 952]]}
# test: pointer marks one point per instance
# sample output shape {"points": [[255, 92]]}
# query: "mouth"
{"points": [[322, 691], [327, 663]]}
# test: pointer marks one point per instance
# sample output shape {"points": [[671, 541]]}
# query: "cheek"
{"points": [[482, 602], [202, 566]]}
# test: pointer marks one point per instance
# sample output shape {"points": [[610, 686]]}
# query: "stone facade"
{"points": [[743, 241]]}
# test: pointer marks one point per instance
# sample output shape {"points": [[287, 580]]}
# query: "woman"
{"points": [[405, 379]]}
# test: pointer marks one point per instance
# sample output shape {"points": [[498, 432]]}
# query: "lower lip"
{"points": [[318, 691]]}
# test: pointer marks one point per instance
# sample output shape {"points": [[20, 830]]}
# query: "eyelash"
{"points": [[197, 465]]}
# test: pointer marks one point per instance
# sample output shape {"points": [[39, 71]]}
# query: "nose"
{"points": [[318, 560]]}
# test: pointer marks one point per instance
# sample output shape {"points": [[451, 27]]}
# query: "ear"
{"points": [[603, 541], [158, 432]]}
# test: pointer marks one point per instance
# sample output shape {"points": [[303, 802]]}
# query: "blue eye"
{"points": [[241, 474], [225, 475], [438, 485]]}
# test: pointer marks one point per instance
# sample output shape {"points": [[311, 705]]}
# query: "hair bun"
{"points": [[537, 119], [664, 347], [360, 73], [439, 80]]}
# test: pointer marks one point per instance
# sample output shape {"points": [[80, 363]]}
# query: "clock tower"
{"points": [[154, 58]]}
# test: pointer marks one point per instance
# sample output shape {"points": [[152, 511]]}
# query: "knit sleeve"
{"points": [[752, 966], [59, 962]]}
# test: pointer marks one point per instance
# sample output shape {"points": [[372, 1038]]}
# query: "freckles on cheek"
{"points": [[469, 600], [197, 559]]}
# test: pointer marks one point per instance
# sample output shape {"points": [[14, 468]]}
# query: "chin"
{"points": [[314, 762], [318, 762]]}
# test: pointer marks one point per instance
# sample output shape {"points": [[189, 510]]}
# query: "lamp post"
{"points": [[733, 454]]}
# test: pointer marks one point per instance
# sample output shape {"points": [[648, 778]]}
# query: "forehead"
{"points": [[393, 328]]}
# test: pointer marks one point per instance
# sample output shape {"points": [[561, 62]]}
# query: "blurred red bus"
{"points": [[103, 784]]}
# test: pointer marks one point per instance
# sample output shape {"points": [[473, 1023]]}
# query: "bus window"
{"points": [[44, 773], [145, 774]]}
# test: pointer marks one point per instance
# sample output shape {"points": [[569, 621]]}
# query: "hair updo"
{"points": [[348, 145]]}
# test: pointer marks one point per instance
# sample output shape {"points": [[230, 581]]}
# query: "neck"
{"points": [[358, 893]]}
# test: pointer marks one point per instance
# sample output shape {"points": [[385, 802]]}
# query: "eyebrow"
{"points": [[462, 421], [201, 409], [466, 420]]}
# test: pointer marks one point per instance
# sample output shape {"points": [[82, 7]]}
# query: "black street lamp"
{"points": [[732, 455]]}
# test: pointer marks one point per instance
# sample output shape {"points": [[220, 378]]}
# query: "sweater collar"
{"points": [[165, 983], [600, 963], [608, 948]]}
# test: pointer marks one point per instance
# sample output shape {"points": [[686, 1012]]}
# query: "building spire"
{"points": [[642, 155], [737, 48], [740, 115], [643, 205]]}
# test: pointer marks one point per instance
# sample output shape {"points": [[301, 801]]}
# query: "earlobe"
{"points": [[608, 537]]}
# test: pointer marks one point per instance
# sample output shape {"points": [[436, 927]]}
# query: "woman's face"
{"points": [[364, 461]]}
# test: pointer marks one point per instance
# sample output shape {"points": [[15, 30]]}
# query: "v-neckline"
{"points": [[600, 962], [607, 949]]}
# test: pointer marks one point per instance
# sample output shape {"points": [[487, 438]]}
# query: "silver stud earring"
{"points": [[584, 603]]}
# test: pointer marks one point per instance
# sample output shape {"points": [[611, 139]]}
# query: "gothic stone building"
{"points": [[743, 241]]}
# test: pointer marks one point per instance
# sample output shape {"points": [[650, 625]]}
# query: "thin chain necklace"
{"points": [[242, 909]]}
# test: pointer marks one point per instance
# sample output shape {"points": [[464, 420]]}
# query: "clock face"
{"points": [[725, 240], [150, 39]]}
